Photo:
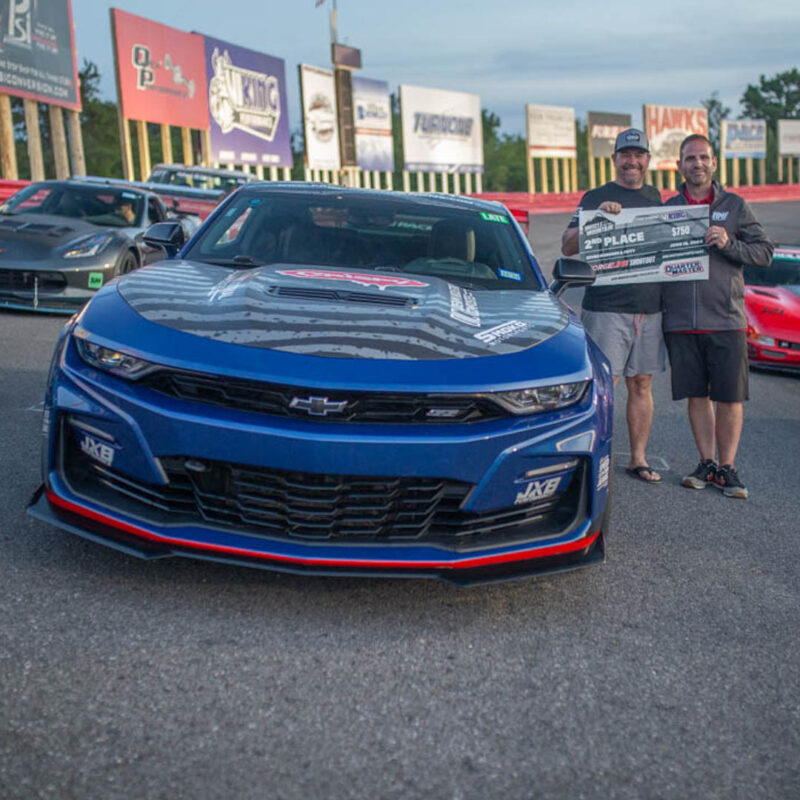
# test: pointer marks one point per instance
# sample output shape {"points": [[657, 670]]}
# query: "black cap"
{"points": [[634, 138]]}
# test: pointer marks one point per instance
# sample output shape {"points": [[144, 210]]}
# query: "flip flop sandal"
{"points": [[636, 472]]}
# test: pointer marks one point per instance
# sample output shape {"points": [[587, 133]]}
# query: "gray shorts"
{"points": [[633, 343]]}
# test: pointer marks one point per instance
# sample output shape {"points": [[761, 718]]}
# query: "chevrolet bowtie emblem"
{"points": [[318, 406]]}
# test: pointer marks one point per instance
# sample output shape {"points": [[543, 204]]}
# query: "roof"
{"points": [[221, 173]]}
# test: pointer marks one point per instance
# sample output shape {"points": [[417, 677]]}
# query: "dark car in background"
{"points": [[221, 181]]}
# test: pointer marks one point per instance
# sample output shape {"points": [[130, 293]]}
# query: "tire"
{"points": [[128, 263]]}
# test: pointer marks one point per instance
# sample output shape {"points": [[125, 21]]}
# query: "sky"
{"points": [[594, 56]]}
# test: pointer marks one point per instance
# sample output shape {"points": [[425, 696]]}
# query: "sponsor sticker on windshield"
{"points": [[130, 195], [509, 274], [361, 278], [95, 280], [489, 217]]}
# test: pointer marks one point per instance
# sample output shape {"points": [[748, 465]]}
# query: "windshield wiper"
{"points": [[236, 261]]}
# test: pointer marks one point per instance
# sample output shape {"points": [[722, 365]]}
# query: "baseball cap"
{"points": [[632, 137]]}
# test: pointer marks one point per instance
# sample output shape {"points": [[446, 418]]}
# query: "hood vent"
{"points": [[766, 294], [35, 227], [336, 296]]}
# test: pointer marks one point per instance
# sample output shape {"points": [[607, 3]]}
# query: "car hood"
{"points": [[30, 237], [774, 310], [341, 313]]}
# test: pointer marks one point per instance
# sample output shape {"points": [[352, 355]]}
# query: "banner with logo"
{"points": [[372, 121], [789, 137], [603, 131], [442, 130], [320, 118], [551, 131], [666, 127], [744, 138], [247, 104], [645, 245], [37, 52], [161, 72]]}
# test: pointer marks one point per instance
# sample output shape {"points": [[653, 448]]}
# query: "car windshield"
{"points": [[100, 205], [784, 270], [198, 179], [354, 230]]}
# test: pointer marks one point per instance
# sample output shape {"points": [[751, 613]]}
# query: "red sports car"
{"points": [[772, 304]]}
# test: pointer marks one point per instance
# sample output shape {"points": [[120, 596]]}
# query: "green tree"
{"points": [[717, 111], [100, 126], [503, 157]]}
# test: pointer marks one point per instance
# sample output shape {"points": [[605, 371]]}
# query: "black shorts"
{"points": [[709, 365]]}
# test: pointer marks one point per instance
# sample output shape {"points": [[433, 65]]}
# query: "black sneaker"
{"points": [[728, 480], [703, 476]]}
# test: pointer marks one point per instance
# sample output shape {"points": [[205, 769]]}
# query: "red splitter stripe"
{"points": [[467, 563]]}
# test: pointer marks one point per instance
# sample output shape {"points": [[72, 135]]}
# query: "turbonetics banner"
{"points": [[372, 122], [37, 52], [442, 130], [320, 120], [248, 112]]}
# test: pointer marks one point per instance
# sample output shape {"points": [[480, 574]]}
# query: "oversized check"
{"points": [[657, 244]]}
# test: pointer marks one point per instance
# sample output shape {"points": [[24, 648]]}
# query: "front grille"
{"points": [[24, 280], [298, 506], [787, 345], [322, 405]]}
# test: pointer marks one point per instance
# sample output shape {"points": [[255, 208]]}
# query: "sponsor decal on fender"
{"points": [[97, 450], [538, 490], [361, 278]]}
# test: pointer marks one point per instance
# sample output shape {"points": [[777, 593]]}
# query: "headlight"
{"points": [[767, 340], [114, 361], [543, 398], [89, 245]]}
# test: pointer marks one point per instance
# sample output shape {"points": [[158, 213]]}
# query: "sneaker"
{"points": [[703, 476], [728, 480]]}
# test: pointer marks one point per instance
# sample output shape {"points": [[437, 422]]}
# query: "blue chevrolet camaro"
{"points": [[335, 381]]}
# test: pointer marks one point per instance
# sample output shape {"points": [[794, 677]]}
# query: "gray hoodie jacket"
{"points": [[718, 303]]}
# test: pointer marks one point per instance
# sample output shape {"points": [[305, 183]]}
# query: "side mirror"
{"points": [[169, 236], [570, 272]]}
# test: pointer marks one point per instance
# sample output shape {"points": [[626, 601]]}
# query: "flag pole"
{"points": [[333, 23]]}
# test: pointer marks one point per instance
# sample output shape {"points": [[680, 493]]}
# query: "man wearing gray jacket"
{"points": [[705, 323]]}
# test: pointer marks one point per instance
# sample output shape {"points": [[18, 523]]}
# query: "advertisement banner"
{"points": [[603, 130], [161, 72], [442, 130], [645, 245], [37, 52], [789, 137], [247, 104], [744, 138], [551, 131], [666, 127], [320, 119], [372, 121]]}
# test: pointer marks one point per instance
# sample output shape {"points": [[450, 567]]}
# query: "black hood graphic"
{"points": [[341, 313]]}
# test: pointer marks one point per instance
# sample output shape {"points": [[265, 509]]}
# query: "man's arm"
{"points": [[750, 244], [570, 238], [569, 241]]}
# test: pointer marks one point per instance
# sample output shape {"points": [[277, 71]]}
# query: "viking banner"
{"points": [[666, 127], [442, 130], [372, 121], [161, 72], [37, 52], [645, 245], [603, 129], [248, 112], [744, 138], [551, 131]]}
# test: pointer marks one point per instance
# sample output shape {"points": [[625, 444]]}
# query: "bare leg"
{"points": [[640, 418], [729, 430], [702, 420]]}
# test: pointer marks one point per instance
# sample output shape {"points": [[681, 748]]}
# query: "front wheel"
{"points": [[128, 264]]}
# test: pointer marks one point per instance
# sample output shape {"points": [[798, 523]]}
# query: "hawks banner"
{"points": [[372, 121], [320, 119], [603, 130], [659, 244], [744, 138], [248, 113], [161, 72], [551, 131], [666, 127], [37, 52]]}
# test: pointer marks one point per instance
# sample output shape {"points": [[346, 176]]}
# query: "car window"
{"points": [[155, 212]]}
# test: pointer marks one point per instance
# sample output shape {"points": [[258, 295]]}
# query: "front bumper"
{"points": [[775, 357]]}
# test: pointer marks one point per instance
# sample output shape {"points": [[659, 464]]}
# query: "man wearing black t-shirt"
{"points": [[625, 321]]}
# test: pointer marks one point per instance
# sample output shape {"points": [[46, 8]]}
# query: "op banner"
{"points": [[658, 244], [666, 127], [603, 130], [37, 52], [161, 72], [248, 112], [789, 137], [551, 131], [744, 138], [320, 118], [372, 121], [442, 130]]}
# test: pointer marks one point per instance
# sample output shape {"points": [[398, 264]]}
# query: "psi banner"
{"points": [[666, 127], [744, 138], [37, 52], [645, 245], [551, 131], [372, 121], [320, 120], [248, 114], [442, 130], [161, 72]]}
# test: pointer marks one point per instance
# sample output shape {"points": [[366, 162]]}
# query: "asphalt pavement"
{"points": [[673, 671]]}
